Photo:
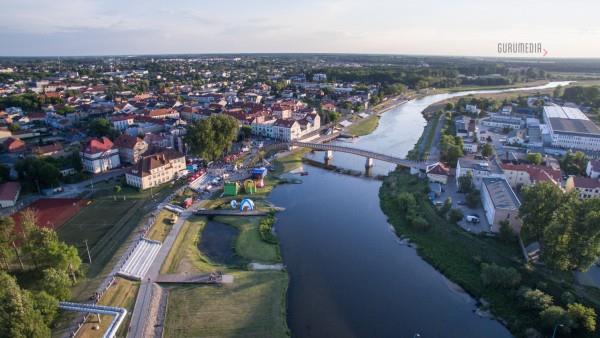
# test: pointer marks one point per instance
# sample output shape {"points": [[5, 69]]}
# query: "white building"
{"points": [[500, 203], [569, 128], [156, 169], [502, 121], [100, 155], [593, 169], [479, 169]]}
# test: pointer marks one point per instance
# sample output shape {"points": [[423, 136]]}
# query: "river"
{"points": [[349, 274]]}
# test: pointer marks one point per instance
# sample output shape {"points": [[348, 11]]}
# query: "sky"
{"points": [[424, 27]]}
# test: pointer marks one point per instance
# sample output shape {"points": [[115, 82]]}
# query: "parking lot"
{"points": [[452, 192]]}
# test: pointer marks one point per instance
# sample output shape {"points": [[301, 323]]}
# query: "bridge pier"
{"points": [[369, 163], [328, 155]]}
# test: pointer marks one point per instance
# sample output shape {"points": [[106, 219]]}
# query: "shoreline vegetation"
{"points": [[466, 259]]}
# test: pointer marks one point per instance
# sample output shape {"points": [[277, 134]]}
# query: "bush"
{"points": [[534, 299], [567, 297], [582, 317], [495, 275], [507, 234], [419, 223], [455, 215], [265, 227], [554, 315], [472, 199]]}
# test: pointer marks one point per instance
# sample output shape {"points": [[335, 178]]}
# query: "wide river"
{"points": [[349, 274]]}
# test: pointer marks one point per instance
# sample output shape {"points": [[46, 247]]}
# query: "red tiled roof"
{"points": [[127, 141], [439, 169], [585, 182], [536, 173], [98, 145], [9, 191], [14, 144]]}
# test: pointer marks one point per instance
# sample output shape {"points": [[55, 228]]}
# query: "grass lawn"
{"points": [[364, 126], [161, 227], [250, 307], [184, 255], [249, 244], [121, 294]]}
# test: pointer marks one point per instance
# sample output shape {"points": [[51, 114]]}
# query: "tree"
{"points": [[455, 215], [506, 232], [534, 158], [582, 317], [406, 202], [447, 206], [47, 251], [56, 283], [7, 226], [495, 275], [534, 299], [574, 163], [102, 127], [538, 205], [246, 132], [212, 137], [117, 189], [18, 318], [472, 198], [487, 150], [46, 305], [36, 173], [555, 315], [465, 183]]}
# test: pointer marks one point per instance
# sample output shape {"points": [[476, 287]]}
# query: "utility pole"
{"points": [[87, 248]]}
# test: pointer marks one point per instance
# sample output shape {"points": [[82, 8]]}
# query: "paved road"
{"points": [[141, 310], [434, 151]]}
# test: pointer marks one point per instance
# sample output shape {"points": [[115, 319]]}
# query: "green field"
{"points": [[364, 126], [249, 244], [253, 306], [161, 227], [184, 256]]}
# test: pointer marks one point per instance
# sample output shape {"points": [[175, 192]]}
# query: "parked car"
{"points": [[462, 203], [473, 219]]}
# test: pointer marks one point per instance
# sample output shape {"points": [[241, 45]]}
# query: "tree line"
{"points": [[37, 271]]}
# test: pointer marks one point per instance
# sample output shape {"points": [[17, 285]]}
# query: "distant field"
{"points": [[250, 307], [52, 212]]}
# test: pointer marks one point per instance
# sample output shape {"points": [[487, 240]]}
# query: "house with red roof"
{"points": [[14, 145], [527, 174], [585, 187], [100, 155], [438, 172], [9, 193]]}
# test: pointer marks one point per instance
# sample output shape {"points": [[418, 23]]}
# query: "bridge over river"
{"points": [[369, 155]]}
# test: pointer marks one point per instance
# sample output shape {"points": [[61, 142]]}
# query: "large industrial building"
{"points": [[569, 128], [500, 203]]}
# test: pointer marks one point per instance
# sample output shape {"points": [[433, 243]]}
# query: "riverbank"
{"points": [[459, 255], [364, 126], [255, 303]]}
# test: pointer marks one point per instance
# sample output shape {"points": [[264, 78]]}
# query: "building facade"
{"points": [[156, 169], [100, 155], [500, 203]]}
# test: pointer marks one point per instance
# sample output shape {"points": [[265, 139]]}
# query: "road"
{"points": [[141, 311], [434, 150]]}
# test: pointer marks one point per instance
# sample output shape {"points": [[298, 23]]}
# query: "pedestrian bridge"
{"points": [[369, 155]]}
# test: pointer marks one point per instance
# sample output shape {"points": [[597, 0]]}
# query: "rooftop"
{"points": [[503, 197], [9, 191], [555, 111]]}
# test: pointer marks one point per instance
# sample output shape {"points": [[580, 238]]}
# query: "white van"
{"points": [[472, 219]]}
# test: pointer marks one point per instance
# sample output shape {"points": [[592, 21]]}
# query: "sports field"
{"points": [[52, 212]]}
